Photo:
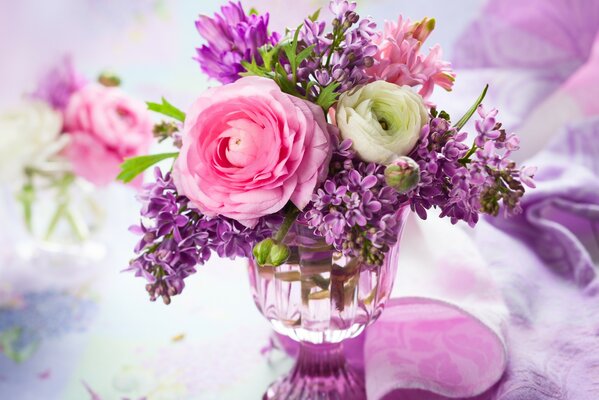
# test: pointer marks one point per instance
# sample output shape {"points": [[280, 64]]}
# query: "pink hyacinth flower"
{"points": [[400, 61]]}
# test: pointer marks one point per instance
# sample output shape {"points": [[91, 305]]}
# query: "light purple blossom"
{"points": [[175, 238], [461, 181], [356, 220], [342, 55]]}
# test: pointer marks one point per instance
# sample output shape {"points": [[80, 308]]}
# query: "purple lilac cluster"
{"points": [[463, 181], [354, 209], [57, 86], [175, 238], [341, 55], [232, 37]]}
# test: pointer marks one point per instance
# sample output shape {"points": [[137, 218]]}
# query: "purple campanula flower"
{"points": [[232, 37]]}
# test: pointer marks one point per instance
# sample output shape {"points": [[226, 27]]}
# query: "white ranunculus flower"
{"points": [[383, 120], [29, 135]]}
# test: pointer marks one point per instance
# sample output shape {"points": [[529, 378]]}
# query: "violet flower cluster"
{"points": [[463, 181], [175, 238], [58, 85], [354, 209], [342, 55], [231, 38]]}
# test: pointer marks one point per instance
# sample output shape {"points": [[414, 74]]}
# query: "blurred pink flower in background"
{"points": [[105, 126]]}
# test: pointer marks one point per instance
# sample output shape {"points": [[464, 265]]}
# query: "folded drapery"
{"points": [[442, 332]]}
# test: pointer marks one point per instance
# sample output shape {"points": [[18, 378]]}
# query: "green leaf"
{"points": [[309, 86], [270, 55], [460, 124], [305, 53], [27, 197], [296, 37], [132, 167], [328, 96], [167, 109], [252, 69], [284, 83], [291, 52], [253, 11], [288, 49], [314, 16]]}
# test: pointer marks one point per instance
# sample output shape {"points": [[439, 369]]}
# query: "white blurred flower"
{"points": [[383, 120], [30, 135]]}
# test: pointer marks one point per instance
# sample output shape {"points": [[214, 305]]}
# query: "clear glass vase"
{"points": [[56, 218], [320, 298]]}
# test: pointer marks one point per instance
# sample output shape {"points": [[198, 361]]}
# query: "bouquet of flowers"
{"points": [[70, 128], [328, 125]]}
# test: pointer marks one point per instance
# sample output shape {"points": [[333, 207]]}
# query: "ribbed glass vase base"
{"points": [[320, 373]]}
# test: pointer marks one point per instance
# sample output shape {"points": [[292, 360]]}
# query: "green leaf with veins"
{"points": [[132, 167], [315, 16], [166, 108], [328, 96]]}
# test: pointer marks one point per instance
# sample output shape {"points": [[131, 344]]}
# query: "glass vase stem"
{"points": [[320, 373]]}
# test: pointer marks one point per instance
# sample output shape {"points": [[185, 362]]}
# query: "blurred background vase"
{"points": [[320, 298], [50, 261], [55, 218]]}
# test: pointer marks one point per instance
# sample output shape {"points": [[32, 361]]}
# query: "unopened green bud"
{"points": [[262, 251], [109, 79], [270, 253], [279, 253], [402, 174], [421, 30]]}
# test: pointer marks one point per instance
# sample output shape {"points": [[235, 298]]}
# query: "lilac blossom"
{"points": [[340, 56], [463, 181], [175, 238], [354, 209], [232, 37]]}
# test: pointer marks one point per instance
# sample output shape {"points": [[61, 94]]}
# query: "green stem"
{"points": [[460, 124], [336, 36], [76, 225], [27, 214], [290, 218], [466, 159], [27, 197], [58, 214], [63, 200]]}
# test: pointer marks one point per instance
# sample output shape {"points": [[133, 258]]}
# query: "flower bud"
{"points": [[109, 79], [269, 252], [279, 253], [403, 174], [423, 29], [352, 17], [262, 251]]}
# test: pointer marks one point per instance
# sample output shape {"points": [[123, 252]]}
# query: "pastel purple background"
{"points": [[206, 345]]}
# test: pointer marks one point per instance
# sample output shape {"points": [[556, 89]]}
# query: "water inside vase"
{"points": [[320, 296]]}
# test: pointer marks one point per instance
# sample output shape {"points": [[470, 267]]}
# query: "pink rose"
{"points": [[105, 127], [248, 149]]}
